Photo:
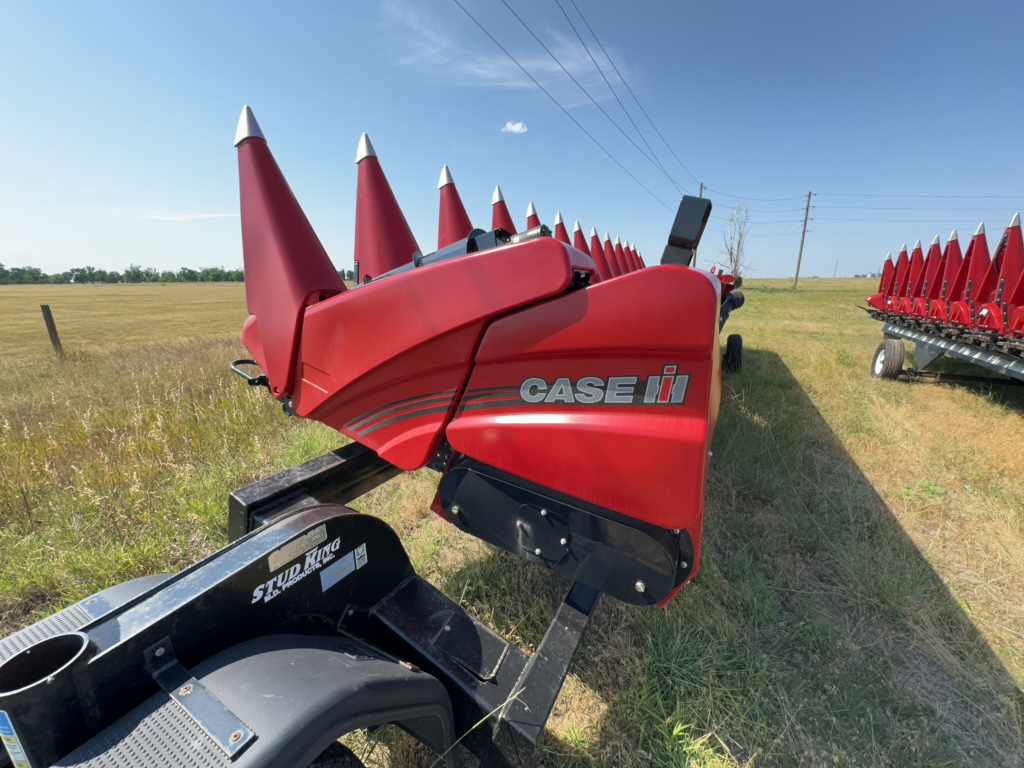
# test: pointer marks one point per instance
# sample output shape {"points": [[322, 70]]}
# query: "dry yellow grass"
{"points": [[100, 318]]}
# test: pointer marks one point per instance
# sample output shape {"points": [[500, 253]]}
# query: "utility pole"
{"points": [[701, 189], [803, 234]]}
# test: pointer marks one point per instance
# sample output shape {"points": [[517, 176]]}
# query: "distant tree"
{"points": [[734, 238], [350, 274], [133, 274], [212, 275], [25, 275]]}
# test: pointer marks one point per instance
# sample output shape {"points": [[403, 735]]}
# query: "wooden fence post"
{"points": [[51, 328]]}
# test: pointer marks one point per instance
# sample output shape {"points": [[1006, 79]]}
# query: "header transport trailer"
{"points": [[968, 306], [565, 393]]}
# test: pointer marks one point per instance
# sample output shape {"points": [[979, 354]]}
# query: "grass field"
{"points": [[861, 592]]}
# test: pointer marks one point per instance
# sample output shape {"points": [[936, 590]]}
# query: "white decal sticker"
{"points": [[360, 556], [337, 571], [315, 559], [296, 547]]}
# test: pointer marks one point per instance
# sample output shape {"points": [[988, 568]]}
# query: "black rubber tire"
{"points": [[732, 360], [337, 756], [888, 361]]}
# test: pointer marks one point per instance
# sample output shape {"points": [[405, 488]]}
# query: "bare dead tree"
{"points": [[734, 238]]}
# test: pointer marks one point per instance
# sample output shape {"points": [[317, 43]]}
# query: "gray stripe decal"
{"points": [[399, 405], [403, 417], [492, 404]]}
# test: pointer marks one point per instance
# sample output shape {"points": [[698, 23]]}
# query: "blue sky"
{"points": [[117, 121]]}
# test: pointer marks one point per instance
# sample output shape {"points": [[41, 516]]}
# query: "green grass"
{"points": [[859, 602]]}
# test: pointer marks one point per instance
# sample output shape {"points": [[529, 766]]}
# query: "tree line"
{"points": [[134, 274]]}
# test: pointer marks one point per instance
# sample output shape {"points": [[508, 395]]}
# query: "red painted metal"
{"points": [[915, 277], [532, 219], [453, 222], [888, 275], [609, 255], [899, 284], [457, 347], [620, 257], [646, 461], [1015, 256], [561, 233], [931, 287], [970, 281], [500, 217], [286, 266], [384, 240], [878, 300], [627, 254], [600, 259], [384, 364], [1006, 298], [579, 242], [636, 257], [939, 310]]}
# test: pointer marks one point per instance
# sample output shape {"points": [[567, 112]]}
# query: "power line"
{"points": [[601, 71], [942, 197], [786, 221], [755, 199], [653, 125], [587, 94], [889, 221], [611, 61], [906, 208], [865, 231], [557, 104]]}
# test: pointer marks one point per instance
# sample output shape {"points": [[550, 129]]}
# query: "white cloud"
{"points": [[449, 45], [511, 127]]}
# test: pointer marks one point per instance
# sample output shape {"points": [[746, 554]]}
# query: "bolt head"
{"points": [[537, 552], [455, 509], [543, 513], [185, 690], [640, 586], [683, 564], [235, 737], [159, 652], [563, 542]]}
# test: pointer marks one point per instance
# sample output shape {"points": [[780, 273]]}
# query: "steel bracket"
{"points": [[218, 722]]}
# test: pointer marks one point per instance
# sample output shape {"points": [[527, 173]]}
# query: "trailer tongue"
{"points": [[568, 401]]}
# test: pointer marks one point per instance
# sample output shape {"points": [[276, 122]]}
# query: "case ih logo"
{"points": [[667, 389]]}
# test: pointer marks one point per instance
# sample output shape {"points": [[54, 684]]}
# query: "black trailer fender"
{"points": [[298, 693]]}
